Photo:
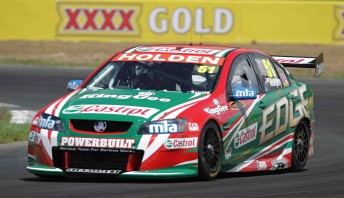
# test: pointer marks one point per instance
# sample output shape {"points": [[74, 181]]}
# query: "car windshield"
{"points": [[161, 76]]}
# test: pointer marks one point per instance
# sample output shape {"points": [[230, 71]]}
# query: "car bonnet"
{"points": [[123, 104]]}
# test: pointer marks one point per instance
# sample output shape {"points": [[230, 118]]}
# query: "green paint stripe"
{"points": [[45, 169], [131, 50], [223, 52]]}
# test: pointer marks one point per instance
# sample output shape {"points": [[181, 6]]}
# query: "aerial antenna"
{"points": [[200, 42]]}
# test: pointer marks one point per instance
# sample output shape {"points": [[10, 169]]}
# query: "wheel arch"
{"points": [[204, 171], [308, 121], [217, 125]]}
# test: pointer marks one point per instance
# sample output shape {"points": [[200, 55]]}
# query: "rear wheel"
{"points": [[300, 146], [210, 152]]}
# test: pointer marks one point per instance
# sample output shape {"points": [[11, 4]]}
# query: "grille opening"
{"points": [[115, 159], [88, 125], [95, 160]]}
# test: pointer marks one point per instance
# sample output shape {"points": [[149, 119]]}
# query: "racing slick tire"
{"points": [[209, 152], [300, 146]]}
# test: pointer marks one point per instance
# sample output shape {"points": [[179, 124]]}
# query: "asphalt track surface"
{"points": [[34, 87]]}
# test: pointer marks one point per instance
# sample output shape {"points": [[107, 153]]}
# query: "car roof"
{"points": [[206, 50]]}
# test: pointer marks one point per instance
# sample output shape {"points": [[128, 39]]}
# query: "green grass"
{"points": [[11, 132]]}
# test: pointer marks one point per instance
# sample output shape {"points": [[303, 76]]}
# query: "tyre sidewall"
{"points": [[295, 165], [203, 170]]}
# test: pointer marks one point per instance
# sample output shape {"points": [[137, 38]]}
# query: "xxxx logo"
{"points": [[98, 19], [339, 30]]}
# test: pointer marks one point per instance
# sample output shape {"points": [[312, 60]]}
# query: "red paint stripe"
{"points": [[168, 113]]}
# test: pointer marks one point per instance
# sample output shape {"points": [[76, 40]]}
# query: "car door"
{"points": [[277, 88], [244, 95]]}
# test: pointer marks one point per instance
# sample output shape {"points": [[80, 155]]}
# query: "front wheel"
{"points": [[300, 146], [209, 152]]}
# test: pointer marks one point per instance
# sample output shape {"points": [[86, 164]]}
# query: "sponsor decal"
{"points": [[87, 149], [228, 153], [244, 93], [97, 142], [73, 85], [50, 122], [180, 20], [163, 127], [339, 30], [236, 105], [218, 109], [181, 143], [92, 171], [294, 60], [176, 50], [285, 112], [111, 109], [193, 126], [273, 82], [245, 136], [139, 96], [32, 136], [96, 19], [261, 165], [100, 126], [164, 57]]}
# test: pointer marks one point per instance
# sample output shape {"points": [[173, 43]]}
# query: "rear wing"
{"points": [[302, 62]]}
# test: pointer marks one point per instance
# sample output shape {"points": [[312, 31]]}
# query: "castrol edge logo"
{"points": [[94, 19], [111, 109]]}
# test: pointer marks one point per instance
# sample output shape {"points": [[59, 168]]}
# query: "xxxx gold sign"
{"points": [[339, 30], [98, 19]]}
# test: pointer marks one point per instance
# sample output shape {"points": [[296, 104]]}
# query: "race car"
{"points": [[177, 111]]}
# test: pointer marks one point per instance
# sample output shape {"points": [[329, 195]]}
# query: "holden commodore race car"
{"points": [[173, 111]]}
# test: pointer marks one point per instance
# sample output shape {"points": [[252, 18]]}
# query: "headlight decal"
{"points": [[164, 126], [50, 122]]}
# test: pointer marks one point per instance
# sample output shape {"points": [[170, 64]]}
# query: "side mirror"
{"points": [[73, 85], [241, 93]]}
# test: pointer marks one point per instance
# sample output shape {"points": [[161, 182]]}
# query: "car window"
{"points": [[267, 72], [282, 75], [160, 76], [242, 75]]}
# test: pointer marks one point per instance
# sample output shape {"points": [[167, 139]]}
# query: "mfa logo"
{"points": [[98, 19], [240, 93], [73, 85], [163, 127]]}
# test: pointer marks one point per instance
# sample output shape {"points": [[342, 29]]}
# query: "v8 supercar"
{"points": [[173, 111]]}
